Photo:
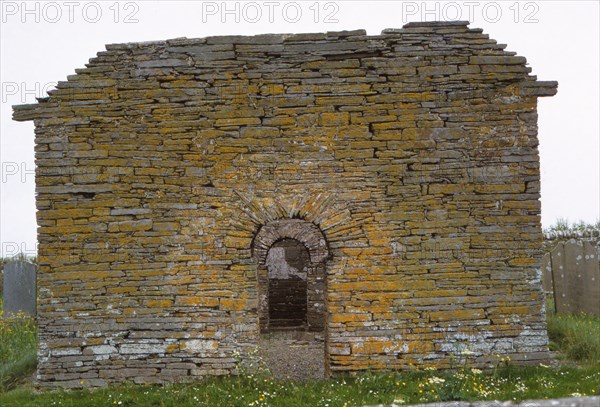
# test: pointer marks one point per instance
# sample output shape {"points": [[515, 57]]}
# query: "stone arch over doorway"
{"points": [[291, 256]]}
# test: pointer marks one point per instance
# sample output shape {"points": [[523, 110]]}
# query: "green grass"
{"points": [[423, 386], [577, 337], [18, 348]]}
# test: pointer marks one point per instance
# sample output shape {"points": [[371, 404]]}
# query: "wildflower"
{"points": [[467, 352], [399, 401], [521, 387], [576, 394], [544, 366], [476, 371], [436, 380]]}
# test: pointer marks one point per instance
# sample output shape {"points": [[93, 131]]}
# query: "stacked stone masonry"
{"points": [[406, 163]]}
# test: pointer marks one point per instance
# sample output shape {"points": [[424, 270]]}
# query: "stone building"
{"points": [[381, 191]]}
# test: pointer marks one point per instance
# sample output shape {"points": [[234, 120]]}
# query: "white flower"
{"points": [[476, 371], [467, 352], [521, 387], [436, 380]]}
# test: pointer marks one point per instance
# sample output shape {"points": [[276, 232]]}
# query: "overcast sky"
{"points": [[44, 41]]}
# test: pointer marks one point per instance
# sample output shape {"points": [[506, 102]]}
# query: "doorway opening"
{"points": [[295, 288], [291, 256], [287, 265]]}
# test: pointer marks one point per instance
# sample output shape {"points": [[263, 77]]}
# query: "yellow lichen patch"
{"points": [[159, 303], [235, 304]]}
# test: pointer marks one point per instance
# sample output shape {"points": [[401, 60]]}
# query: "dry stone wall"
{"points": [[412, 153]]}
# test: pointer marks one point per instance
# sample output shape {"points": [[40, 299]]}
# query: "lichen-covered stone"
{"points": [[406, 163]]}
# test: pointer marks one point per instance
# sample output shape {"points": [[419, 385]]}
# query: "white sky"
{"points": [[44, 41]]}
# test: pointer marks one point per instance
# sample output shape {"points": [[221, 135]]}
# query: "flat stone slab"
{"points": [[566, 402], [293, 355]]}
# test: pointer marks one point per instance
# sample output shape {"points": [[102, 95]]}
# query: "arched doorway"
{"points": [[291, 256]]}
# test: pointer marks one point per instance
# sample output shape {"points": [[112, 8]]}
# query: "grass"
{"points": [[368, 388], [18, 348], [577, 337]]}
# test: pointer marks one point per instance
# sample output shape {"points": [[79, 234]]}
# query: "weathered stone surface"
{"points": [[406, 164], [19, 288]]}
